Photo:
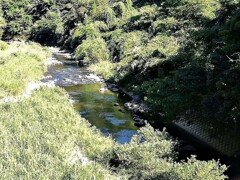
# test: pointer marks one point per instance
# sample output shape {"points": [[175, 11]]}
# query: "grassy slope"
{"points": [[40, 135], [20, 65]]}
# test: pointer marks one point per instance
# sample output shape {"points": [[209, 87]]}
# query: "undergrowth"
{"points": [[43, 137], [20, 64]]}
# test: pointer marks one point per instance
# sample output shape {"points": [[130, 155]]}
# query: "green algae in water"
{"points": [[98, 108]]}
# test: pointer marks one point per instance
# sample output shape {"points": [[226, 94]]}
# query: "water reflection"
{"points": [[98, 108]]}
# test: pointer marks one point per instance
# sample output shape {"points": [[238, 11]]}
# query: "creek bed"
{"points": [[98, 108]]}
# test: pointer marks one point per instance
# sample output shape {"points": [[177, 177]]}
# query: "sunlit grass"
{"points": [[20, 65], [104, 69], [39, 136]]}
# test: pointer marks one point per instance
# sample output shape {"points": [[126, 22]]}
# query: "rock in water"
{"points": [[120, 110], [140, 123], [102, 90]]}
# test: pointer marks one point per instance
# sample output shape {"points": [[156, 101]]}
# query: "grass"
{"points": [[39, 136], [103, 68], [20, 64], [42, 136]]}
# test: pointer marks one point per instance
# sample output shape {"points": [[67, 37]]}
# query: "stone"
{"points": [[83, 113], [120, 110], [113, 87], [114, 90], [141, 123], [116, 104], [127, 105], [102, 90]]}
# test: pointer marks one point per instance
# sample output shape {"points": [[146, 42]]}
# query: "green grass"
{"points": [[39, 136], [20, 65], [103, 68]]}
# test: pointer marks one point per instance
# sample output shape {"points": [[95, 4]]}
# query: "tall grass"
{"points": [[20, 64], [42, 137], [103, 68], [41, 134]]}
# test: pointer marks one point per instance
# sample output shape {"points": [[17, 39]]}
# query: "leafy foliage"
{"points": [[150, 155], [48, 30], [91, 51]]}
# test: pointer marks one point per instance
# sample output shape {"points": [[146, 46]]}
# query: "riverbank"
{"points": [[46, 138], [42, 136], [20, 66]]}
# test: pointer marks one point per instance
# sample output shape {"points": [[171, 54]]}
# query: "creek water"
{"points": [[98, 108]]}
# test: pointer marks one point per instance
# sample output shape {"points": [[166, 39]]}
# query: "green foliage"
{"points": [[45, 137], [3, 45], [193, 169], [20, 65], [125, 44], [92, 50], [150, 155], [17, 20], [103, 12], [48, 30], [180, 54], [2, 21], [103, 68]]}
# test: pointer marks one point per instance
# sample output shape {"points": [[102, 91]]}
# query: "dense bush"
{"points": [[184, 50], [92, 50], [181, 55], [2, 21], [20, 65], [48, 30], [16, 17], [151, 155]]}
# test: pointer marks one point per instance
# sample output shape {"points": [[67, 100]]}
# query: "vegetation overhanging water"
{"points": [[97, 107]]}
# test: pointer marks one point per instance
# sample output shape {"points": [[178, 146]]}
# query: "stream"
{"points": [[106, 110], [98, 108]]}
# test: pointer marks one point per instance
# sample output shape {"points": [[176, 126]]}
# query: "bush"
{"points": [[20, 65], [198, 170], [151, 155], [2, 25], [92, 51], [104, 68], [48, 30]]}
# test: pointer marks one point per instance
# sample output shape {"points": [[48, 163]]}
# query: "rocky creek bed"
{"points": [[91, 97], [105, 107]]}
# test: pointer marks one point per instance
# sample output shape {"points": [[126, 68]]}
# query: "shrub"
{"points": [[199, 170], [92, 50], [104, 68], [125, 44], [2, 25], [48, 30], [151, 155]]}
